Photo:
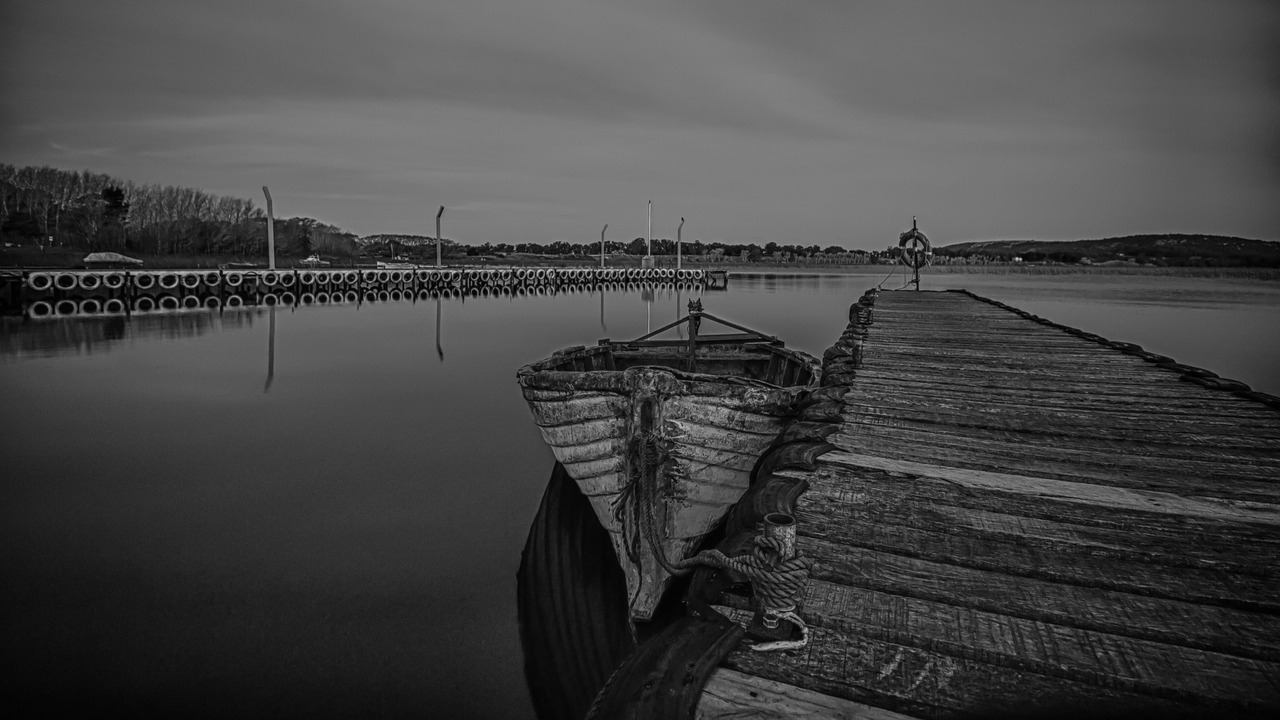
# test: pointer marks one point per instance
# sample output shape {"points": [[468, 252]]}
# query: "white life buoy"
{"points": [[914, 249]]}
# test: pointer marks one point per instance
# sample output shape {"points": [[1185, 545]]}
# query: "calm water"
{"points": [[192, 522]]}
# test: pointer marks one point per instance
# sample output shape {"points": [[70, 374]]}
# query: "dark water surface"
{"points": [[194, 526]]}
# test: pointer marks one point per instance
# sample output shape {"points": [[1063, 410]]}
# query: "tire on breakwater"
{"points": [[40, 281], [40, 309]]}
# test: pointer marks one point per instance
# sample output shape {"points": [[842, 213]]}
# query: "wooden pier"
{"points": [[1019, 518]]}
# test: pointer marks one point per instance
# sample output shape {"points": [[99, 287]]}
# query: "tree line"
{"points": [[97, 212]]}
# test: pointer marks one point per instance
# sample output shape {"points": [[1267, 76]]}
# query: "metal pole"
{"points": [[606, 227], [679, 230], [271, 231], [648, 245], [438, 235]]}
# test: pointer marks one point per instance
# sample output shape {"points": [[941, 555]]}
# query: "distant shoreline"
{"points": [[25, 259]]}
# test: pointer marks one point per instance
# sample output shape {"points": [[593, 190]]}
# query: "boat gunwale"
{"points": [[537, 375]]}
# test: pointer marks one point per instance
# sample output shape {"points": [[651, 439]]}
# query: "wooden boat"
{"points": [[661, 435]]}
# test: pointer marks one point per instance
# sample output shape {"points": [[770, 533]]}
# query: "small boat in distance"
{"points": [[661, 435]]}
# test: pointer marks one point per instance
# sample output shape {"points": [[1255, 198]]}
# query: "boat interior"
{"points": [[744, 353]]}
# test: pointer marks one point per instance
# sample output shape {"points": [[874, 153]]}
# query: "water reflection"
{"points": [[271, 353], [88, 335]]}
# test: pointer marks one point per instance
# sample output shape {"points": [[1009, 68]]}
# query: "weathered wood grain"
{"points": [[931, 684], [1267, 514], [1110, 660], [1150, 543], [731, 695]]}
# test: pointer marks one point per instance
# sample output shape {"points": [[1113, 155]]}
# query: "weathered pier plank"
{"points": [[1019, 518]]}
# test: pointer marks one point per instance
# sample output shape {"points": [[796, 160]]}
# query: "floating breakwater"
{"points": [[46, 294]]}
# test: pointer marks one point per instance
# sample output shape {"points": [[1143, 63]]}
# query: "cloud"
{"points": [[830, 121]]}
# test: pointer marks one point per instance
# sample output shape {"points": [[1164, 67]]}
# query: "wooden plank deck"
{"points": [[1019, 518]]}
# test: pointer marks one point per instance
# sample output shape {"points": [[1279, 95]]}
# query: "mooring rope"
{"points": [[778, 582]]}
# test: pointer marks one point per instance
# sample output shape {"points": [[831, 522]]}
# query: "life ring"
{"points": [[914, 249]]}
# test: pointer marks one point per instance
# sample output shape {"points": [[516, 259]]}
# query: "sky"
{"points": [[825, 122]]}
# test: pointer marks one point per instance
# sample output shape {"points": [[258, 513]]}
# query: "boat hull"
{"points": [[661, 455]]}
